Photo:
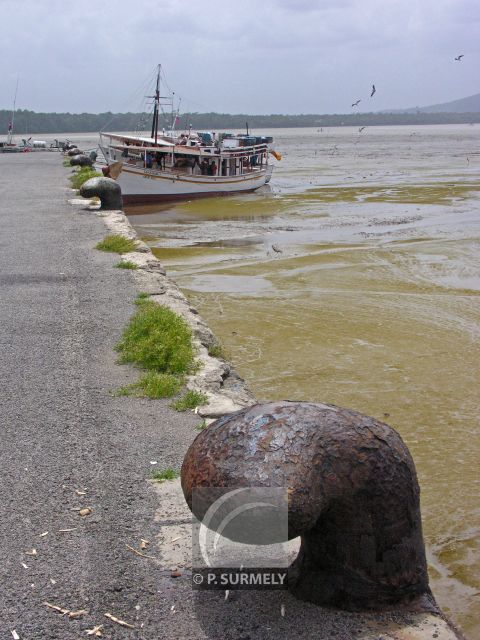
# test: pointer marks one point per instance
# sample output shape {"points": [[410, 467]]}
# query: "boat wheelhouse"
{"points": [[169, 165]]}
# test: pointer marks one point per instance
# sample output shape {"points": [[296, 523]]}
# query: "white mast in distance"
{"points": [[12, 121]]}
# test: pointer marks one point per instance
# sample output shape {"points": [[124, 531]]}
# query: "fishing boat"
{"points": [[167, 165]]}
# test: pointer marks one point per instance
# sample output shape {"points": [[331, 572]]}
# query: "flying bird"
{"points": [[276, 248], [361, 129], [373, 91], [356, 103], [459, 58]]}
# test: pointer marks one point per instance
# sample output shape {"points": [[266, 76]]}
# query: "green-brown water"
{"points": [[369, 300]]}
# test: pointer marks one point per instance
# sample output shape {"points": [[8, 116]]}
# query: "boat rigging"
{"points": [[166, 165]]}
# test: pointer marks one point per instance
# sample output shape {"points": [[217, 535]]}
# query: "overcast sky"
{"points": [[239, 56]]}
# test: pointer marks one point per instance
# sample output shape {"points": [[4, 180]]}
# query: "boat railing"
{"points": [[241, 151], [230, 152], [170, 169]]}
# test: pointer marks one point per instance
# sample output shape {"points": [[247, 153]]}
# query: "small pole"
{"points": [[12, 121]]}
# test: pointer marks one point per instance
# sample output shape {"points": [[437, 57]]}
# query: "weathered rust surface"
{"points": [[353, 497], [106, 189], [81, 160]]}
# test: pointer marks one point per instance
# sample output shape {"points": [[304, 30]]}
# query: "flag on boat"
{"points": [[9, 126], [177, 119]]}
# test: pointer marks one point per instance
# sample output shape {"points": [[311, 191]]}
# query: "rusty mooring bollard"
{"points": [[106, 189], [81, 160], [353, 497]]}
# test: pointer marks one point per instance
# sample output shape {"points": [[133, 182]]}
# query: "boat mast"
{"points": [[12, 121], [156, 107], [175, 112]]}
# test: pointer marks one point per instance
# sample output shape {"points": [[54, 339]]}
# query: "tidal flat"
{"points": [[355, 280]]}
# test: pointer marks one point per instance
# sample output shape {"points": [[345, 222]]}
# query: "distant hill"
{"points": [[464, 105]]}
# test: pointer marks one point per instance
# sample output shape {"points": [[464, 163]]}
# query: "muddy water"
{"points": [[355, 280]]}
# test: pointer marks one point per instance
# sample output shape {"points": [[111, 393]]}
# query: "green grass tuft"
{"points": [[201, 425], [166, 474], [190, 400], [81, 176], [141, 298], [159, 385], [157, 339], [116, 244], [153, 385], [123, 391], [126, 264], [215, 350]]}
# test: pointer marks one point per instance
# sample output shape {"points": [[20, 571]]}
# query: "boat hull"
{"points": [[144, 185]]}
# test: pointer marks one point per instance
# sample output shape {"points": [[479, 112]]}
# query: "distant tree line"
{"points": [[30, 122]]}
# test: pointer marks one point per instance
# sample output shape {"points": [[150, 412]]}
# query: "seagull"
{"points": [[373, 91], [276, 248], [361, 129], [459, 58], [356, 103]]}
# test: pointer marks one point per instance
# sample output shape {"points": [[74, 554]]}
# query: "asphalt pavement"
{"points": [[66, 442]]}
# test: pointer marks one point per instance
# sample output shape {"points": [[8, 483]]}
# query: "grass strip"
{"points": [[114, 243], [165, 474], [216, 350], [157, 339], [82, 175], [189, 400], [126, 264], [153, 385]]}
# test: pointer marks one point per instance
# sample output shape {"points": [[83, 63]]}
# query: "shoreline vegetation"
{"points": [[82, 175], [159, 342], [30, 121]]}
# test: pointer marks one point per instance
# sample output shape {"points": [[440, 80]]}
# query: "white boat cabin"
{"points": [[203, 153]]}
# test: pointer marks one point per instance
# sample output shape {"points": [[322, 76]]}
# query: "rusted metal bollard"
{"points": [[353, 497], [106, 189], [81, 160]]}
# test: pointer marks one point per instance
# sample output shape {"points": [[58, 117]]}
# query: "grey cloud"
{"points": [[309, 5], [231, 56]]}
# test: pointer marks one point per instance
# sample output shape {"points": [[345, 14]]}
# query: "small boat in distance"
{"points": [[169, 166]]}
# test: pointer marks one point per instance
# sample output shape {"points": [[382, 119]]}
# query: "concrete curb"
{"points": [[174, 551]]}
